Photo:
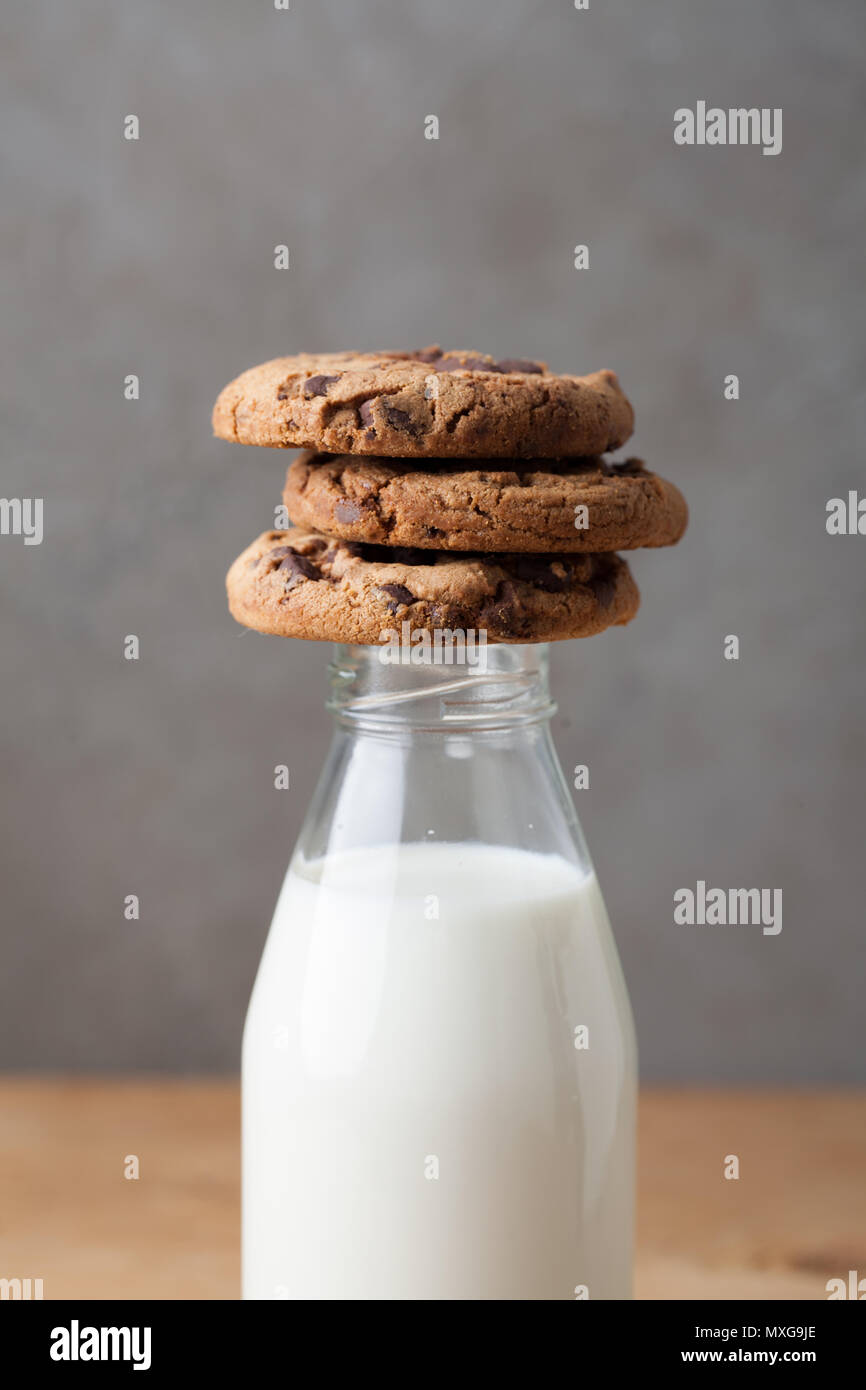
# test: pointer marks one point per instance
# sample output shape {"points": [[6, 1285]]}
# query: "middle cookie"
{"points": [[583, 505]]}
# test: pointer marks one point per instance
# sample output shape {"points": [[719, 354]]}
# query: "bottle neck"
{"points": [[497, 687]]}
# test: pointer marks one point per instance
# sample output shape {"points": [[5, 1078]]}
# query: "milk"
{"points": [[424, 1117]]}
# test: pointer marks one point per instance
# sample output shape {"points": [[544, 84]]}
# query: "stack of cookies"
{"points": [[443, 491]]}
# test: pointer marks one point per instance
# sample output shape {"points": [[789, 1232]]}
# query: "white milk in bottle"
{"points": [[439, 1082]]}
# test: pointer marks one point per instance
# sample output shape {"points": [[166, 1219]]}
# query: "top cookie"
{"points": [[426, 404]]}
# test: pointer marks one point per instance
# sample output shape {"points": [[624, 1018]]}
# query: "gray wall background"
{"points": [[258, 128]]}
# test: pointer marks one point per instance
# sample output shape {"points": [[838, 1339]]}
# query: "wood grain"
{"points": [[795, 1217]]}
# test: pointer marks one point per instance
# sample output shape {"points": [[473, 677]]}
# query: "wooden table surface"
{"points": [[795, 1218]]}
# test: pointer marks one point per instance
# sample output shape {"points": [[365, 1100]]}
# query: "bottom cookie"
{"points": [[299, 584]]}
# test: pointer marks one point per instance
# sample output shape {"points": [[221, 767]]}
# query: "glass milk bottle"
{"points": [[439, 1066]]}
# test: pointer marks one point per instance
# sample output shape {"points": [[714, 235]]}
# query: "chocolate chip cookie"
{"points": [[300, 584], [576, 505], [426, 404]]}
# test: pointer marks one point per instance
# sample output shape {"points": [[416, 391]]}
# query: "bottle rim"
{"points": [[509, 687]]}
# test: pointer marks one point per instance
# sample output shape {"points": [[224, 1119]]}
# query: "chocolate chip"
{"points": [[630, 468], [313, 545], [427, 354], [464, 364], [398, 596], [430, 354], [283, 393], [297, 566], [542, 573], [519, 364], [318, 386], [453, 616], [400, 420], [346, 510], [453, 362], [500, 613]]}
